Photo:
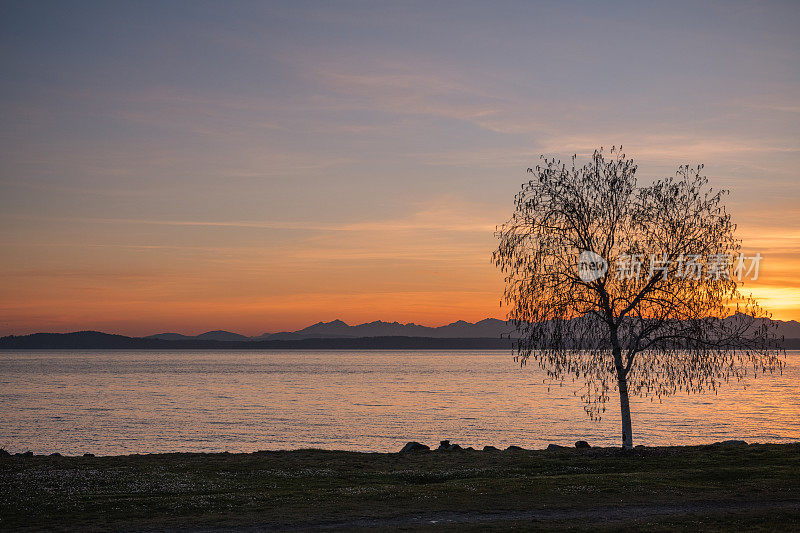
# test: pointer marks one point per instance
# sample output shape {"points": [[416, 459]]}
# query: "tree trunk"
{"points": [[622, 380], [625, 410]]}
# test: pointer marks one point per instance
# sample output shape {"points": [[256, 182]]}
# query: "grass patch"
{"points": [[698, 488]]}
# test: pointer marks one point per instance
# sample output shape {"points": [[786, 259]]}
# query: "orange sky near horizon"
{"points": [[262, 167], [354, 274]]}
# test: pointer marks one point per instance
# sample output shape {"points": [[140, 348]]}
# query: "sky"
{"points": [[258, 167]]}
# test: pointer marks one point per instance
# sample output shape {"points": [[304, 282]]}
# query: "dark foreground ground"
{"points": [[705, 488]]}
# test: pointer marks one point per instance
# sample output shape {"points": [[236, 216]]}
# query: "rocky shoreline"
{"points": [[411, 447]]}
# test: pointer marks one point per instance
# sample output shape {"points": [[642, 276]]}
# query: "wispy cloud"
{"points": [[441, 217]]}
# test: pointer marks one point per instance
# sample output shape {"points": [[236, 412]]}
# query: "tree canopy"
{"points": [[628, 288]]}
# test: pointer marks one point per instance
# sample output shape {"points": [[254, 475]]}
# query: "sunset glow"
{"points": [[265, 168]]}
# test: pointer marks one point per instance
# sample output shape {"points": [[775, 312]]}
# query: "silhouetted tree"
{"points": [[628, 288]]}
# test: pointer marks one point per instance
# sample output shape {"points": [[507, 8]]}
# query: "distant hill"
{"points": [[76, 340], [217, 335], [169, 336], [789, 329], [488, 328], [222, 336]]}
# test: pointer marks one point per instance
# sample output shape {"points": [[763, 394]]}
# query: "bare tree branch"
{"points": [[655, 333]]}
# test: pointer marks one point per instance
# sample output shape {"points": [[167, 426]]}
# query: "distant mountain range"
{"points": [[486, 334], [490, 328]]}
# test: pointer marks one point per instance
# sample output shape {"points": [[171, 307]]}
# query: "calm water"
{"points": [[146, 401]]}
